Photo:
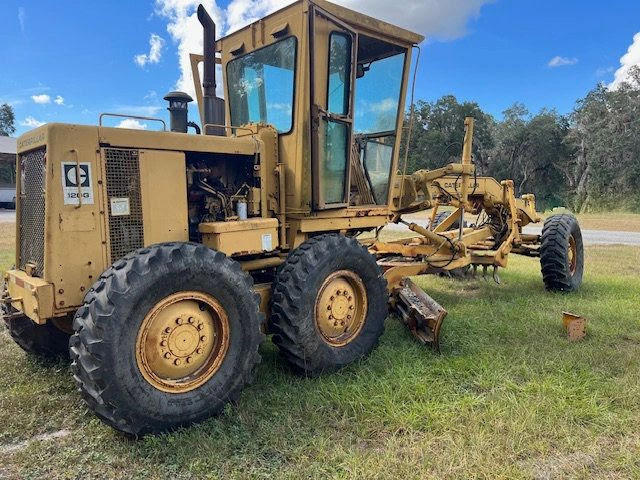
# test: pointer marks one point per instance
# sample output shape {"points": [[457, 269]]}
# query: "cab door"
{"points": [[333, 48]]}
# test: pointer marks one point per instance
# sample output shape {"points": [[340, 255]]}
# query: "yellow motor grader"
{"points": [[161, 259]]}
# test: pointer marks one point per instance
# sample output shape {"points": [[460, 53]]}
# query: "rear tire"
{"points": [[442, 216], [46, 341], [328, 275], [130, 392], [562, 254]]}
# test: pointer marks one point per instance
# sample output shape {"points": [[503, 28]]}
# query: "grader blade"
{"points": [[420, 313]]}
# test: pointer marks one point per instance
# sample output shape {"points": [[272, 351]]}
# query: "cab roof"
{"points": [[355, 20]]}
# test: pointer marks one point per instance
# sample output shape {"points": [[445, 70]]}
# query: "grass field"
{"points": [[508, 397]]}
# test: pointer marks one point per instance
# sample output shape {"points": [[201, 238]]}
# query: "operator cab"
{"points": [[333, 85]]}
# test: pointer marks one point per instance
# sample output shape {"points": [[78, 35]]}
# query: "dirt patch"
{"points": [[561, 466], [16, 447]]}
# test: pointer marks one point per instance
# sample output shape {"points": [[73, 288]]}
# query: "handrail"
{"points": [[136, 117], [214, 125]]}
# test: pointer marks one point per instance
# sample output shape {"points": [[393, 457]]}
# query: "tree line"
{"points": [[587, 160]]}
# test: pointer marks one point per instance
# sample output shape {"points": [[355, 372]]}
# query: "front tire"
{"points": [[562, 254], [329, 305], [167, 337]]}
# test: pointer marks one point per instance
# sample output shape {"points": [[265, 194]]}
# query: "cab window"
{"points": [[262, 86], [379, 76]]}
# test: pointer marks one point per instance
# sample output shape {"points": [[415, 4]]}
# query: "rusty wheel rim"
{"points": [[341, 308], [573, 255], [182, 342]]}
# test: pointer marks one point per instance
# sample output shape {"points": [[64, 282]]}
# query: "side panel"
{"points": [[163, 183], [246, 237], [74, 236]]}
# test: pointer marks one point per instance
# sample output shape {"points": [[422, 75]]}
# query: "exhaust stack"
{"points": [[214, 107]]}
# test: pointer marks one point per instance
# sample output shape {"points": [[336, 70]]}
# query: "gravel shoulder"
{"points": [[7, 216], [590, 237]]}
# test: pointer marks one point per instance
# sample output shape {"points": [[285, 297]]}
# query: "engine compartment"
{"points": [[221, 188]]}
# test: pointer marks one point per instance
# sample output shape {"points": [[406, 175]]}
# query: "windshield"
{"points": [[261, 86]]}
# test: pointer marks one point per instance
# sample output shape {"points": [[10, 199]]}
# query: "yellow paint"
{"points": [[163, 183]]}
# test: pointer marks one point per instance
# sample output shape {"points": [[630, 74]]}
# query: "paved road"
{"points": [[599, 237], [7, 215], [590, 237]]}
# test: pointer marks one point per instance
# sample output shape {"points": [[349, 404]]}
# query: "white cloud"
{"points": [[186, 31], [627, 62], [22, 16], [59, 100], [139, 110], [240, 13], [156, 44], [442, 19], [132, 123], [384, 106], [41, 99], [559, 61], [31, 122], [604, 71], [445, 20], [282, 107]]}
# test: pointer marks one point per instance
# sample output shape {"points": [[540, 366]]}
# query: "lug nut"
{"points": [[189, 359], [199, 351], [351, 307], [203, 338], [167, 330], [330, 317], [329, 307], [201, 327], [177, 362], [348, 317], [191, 320], [339, 292], [163, 343], [167, 355], [332, 298], [179, 321]]}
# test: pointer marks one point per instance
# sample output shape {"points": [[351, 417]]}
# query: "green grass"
{"points": [[508, 397]]}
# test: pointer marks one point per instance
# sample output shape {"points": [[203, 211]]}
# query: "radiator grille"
{"points": [[123, 181], [31, 207]]}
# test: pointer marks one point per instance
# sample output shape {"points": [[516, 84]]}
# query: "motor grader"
{"points": [[161, 259]]}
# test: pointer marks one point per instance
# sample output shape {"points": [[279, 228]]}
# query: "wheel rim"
{"points": [[182, 342], [341, 308], [573, 255]]}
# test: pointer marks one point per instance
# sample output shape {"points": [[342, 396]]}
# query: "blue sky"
{"points": [[497, 53]]}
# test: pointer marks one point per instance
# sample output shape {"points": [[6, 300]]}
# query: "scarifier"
{"points": [[161, 259]]}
